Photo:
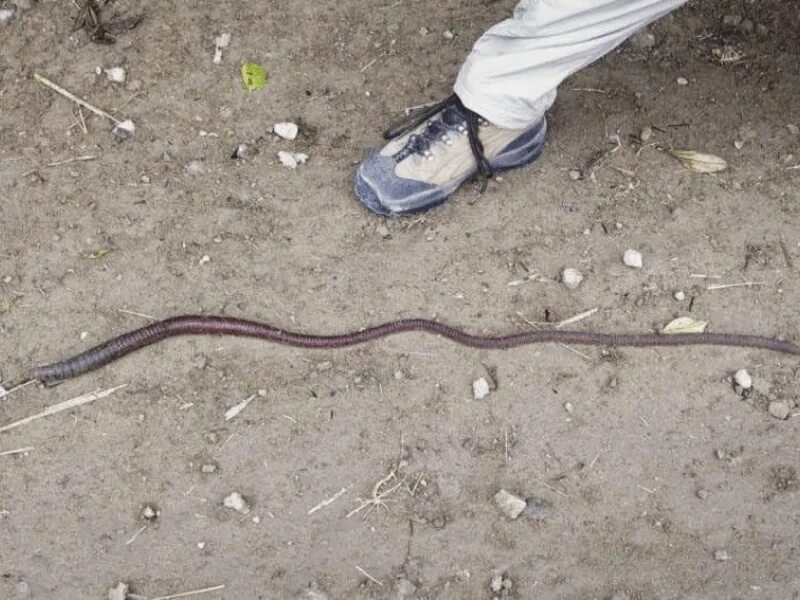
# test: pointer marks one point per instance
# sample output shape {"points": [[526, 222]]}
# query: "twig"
{"points": [[135, 535], [570, 348], [62, 406], [19, 386], [648, 490], [408, 110], [57, 88], [367, 575], [724, 286], [58, 163], [595, 90], [328, 501], [237, 408], [191, 593], [137, 314], [17, 451], [369, 64], [377, 499], [576, 318], [594, 460]]}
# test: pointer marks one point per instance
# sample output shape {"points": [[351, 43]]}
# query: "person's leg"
{"points": [[510, 78], [495, 120]]}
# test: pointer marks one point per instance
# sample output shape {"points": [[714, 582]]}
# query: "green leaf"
{"points": [[253, 76], [685, 325]]}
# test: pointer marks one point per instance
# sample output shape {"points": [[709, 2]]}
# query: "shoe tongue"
{"points": [[452, 116]]}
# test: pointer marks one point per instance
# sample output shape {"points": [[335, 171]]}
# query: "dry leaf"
{"points": [[685, 325], [99, 253], [699, 162]]}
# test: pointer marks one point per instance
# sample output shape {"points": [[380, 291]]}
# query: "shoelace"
{"points": [[451, 108]]}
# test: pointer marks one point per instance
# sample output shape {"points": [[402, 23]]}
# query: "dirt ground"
{"points": [[647, 476]]}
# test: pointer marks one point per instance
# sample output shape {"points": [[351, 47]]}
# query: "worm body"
{"points": [[126, 343]]}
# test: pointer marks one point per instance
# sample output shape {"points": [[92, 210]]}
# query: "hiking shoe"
{"points": [[433, 152]]}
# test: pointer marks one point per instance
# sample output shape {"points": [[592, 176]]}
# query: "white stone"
{"points": [[511, 505], [115, 74], [7, 15], [292, 159], [679, 296], [287, 131], [124, 129], [633, 258], [721, 555], [682, 81], [480, 388], [119, 591], [742, 379], [448, 35], [571, 278], [234, 501], [779, 409], [221, 42]]}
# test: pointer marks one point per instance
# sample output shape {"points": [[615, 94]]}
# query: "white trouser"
{"points": [[511, 76]]}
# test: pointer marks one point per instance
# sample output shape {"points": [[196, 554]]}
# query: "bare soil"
{"points": [[649, 476]]}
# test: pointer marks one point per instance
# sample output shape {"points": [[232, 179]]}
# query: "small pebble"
{"points": [[793, 129], [287, 131], [646, 133], [574, 174], [779, 409], [22, 588], [208, 468], [149, 513], [220, 42], [292, 159], [480, 388], [244, 152], [256, 519], [205, 259], [731, 20], [702, 493], [119, 591], [746, 26], [383, 231], [721, 555], [7, 15], [235, 502], [682, 81], [509, 504], [643, 39], [124, 129], [84, 335], [571, 278], [496, 583], [201, 545], [738, 144], [115, 74], [568, 407], [742, 379], [405, 588], [633, 258], [448, 35], [679, 296], [195, 167]]}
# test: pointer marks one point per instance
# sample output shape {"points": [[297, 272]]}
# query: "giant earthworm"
{"points": [[126, 343]]}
